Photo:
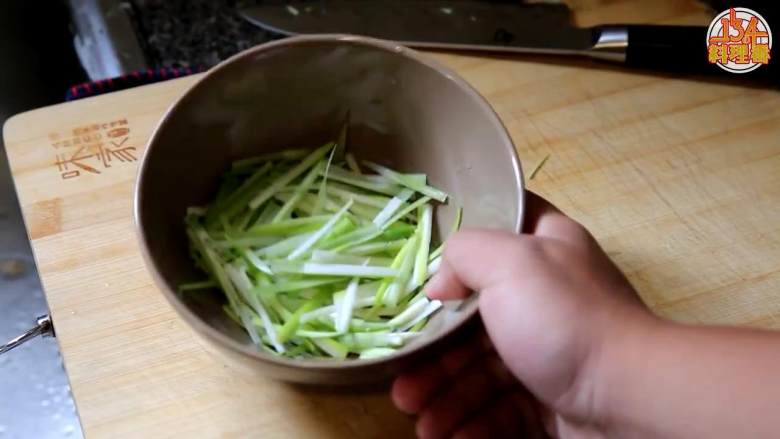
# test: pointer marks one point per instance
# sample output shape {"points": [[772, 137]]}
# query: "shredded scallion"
{"points": [[318, 259]]}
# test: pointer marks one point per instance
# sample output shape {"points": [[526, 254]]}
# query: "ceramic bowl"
{"points": [[407, 111]]}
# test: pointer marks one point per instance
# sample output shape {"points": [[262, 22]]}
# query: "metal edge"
{"points": [[610, 44], [105, 41]]}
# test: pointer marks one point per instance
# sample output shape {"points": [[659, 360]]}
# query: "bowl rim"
{"points": [[217, 337]]}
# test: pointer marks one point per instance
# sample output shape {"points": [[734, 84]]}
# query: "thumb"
{"points": [[473, 260]]}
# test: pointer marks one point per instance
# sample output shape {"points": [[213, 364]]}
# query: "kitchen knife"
{"points": [[504, 27]]}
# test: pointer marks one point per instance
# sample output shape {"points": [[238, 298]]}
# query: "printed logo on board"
{"points": [[739, 40], [92, 149], [118, 132]]}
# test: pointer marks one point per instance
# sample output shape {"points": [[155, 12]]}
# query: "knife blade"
{"points": [[445, 24], [539, 28]]}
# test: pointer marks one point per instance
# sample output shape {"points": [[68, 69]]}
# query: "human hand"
{"points": [[550, 300]]}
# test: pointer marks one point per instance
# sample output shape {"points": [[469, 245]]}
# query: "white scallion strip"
{"points": [[332, 269], [429, 309], [199, 239], [331, 347], [306, 203], [316, 334], [352, 164], [330, 310], [317, 258], [284, 247], [371, 353], [340, 258], [398, 288], [408, 314], [433, 266], [257, 262], [270, 210], [344, 312], [417, 178], [354, 237], [289, 176], [345, 193], [300, 191], [246, 319], [376, 247], [363, 182], [244, 286], [235, 202], [358, 325], [391, 207], [245, 242], [410, 182], [321, 197], [421, 257], [286, 287], [316, 236], [398, 216], [366, 340], [288, 226]]}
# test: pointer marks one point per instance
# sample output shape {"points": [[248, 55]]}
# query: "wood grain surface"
{"points": [[679, 180]]}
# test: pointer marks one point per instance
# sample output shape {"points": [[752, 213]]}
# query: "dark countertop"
{"points": [[177, 33]]}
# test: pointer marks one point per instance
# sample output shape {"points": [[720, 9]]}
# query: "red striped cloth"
{"points": [[132, 79]]}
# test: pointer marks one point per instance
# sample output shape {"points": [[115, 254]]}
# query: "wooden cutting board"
{"points": [[679, 180]]}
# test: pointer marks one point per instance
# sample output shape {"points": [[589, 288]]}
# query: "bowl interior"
{"points": [[405, 112]]}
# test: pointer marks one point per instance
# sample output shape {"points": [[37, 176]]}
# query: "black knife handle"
{"points": [[683, 49]]}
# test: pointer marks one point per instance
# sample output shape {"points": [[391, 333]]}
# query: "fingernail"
{"points": [[431, 288]]}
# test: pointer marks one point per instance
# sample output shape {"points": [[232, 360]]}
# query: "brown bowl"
{"points": [[406, 111]]}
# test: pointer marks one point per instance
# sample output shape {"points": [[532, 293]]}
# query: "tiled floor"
{"points": [[38, 65]]}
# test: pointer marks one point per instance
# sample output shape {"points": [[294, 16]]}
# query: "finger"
{"points": [[445, 284], [514, 415], [545, 220], [473, 260], [412, 391], [471, 390]]}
